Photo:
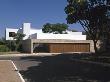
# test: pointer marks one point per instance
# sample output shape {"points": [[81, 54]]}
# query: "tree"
{"points": [[55, 28], [18, 41], [91, 14], [47, 28], [2, 41], [4, 45], [10, 44], [87, 37]]}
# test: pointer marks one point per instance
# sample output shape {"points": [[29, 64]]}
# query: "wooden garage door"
{"points": [[71, 47]]}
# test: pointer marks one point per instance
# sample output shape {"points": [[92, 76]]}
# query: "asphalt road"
{"points": [[21, 63], [59, 69]]}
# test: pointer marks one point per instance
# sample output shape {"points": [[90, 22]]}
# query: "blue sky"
{"points": [[38, 12]]}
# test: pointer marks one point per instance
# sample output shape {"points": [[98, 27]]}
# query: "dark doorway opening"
{"points": [[40, 48]]}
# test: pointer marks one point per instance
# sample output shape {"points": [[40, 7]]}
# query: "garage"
{"points": [[68, 47], [57, 46]]}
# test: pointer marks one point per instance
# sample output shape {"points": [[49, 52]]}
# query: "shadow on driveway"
{"points": [[61, 68]]}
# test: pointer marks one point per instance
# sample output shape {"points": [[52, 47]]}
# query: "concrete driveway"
{"points": [[60, 68]]}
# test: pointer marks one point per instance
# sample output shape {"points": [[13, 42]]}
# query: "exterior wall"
{"points": [[28, 45], [99, 47], [38, 34], [61, 36], [74, 33], [39, 31], [26, 30], [33, 31], [7, 33], [33, 36]]}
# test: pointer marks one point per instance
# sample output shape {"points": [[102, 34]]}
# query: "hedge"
{"points": [[4, 48]]}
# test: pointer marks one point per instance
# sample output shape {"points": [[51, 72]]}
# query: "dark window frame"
{"points": [[12, 34]]}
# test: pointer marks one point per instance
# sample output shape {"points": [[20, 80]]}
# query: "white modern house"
{"points": [[31, 33]]}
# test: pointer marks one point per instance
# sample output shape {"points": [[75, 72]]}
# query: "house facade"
{"points": [[37, 41], [31, 33]]}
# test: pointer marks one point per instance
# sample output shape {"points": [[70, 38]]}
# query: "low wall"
{"points": [[27, 46]]}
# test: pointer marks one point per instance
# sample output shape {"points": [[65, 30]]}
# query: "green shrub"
{"points": [[20, 49], [4, 48]]}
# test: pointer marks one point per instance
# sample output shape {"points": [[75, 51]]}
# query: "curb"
{"points": [[22, 55]]}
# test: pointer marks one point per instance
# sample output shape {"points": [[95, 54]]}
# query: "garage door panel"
{"points": [[64, 47]]}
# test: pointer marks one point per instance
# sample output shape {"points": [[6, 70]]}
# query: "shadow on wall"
{"points": [[60, 68]]}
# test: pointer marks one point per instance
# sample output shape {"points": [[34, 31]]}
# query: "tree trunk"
{"points": [[107, 43], [95, 46]]}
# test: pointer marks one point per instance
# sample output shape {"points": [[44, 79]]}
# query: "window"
{"points": [[12, 34]]}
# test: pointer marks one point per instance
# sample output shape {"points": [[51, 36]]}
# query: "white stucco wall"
{"points": [[33, 31], [74, 33], [38, 34], [26, 30], [61, 36], [33, 36], [7, 33]]}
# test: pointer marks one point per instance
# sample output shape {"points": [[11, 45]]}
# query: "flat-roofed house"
{"points": [[50, 42]]}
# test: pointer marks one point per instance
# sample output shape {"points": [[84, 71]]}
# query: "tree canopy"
{"points": [[19, 37], [55, 28], [91, 14], [18, 41]]}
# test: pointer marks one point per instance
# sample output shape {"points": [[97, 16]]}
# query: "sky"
{"points": [[13, 13]]}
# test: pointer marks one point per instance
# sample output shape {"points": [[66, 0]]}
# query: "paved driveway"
{"points": [[60, 69], [8, 73]]}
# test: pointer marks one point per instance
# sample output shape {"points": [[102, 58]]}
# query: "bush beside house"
{"points": [[3, 45], [12, 45], [4, 48]]}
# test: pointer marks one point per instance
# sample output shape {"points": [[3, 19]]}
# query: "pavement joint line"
{"points": [[17, 71]]}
